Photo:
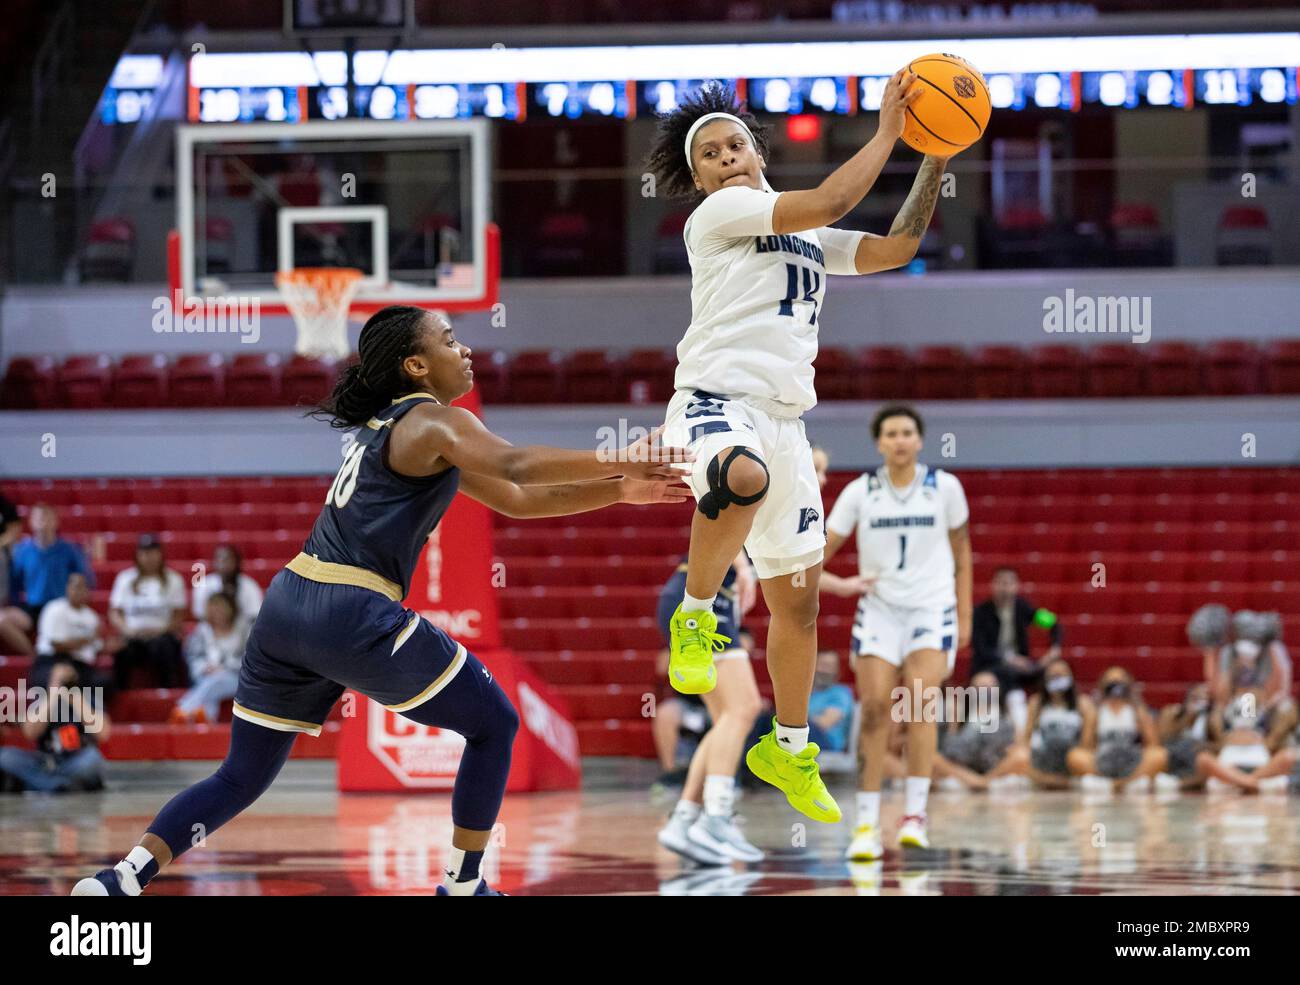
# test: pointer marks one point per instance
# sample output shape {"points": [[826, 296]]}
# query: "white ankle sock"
{"points": [[869, 807], [686, 811], [916, 793], [719, 795], [791, 739], [691, 604]]}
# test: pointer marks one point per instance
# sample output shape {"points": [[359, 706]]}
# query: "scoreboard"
{"points": [[1065, 74], [842, 95]]}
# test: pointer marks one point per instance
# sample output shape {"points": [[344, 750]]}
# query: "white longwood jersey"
{"points": [[756, 299], [903, 536]]}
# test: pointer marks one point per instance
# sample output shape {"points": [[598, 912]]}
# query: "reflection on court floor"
{"points": [[305, 838]]}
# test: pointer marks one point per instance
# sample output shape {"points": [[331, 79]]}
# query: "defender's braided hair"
{"points": [[667, 158], [376, 380]]}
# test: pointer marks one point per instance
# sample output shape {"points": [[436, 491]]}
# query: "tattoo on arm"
{"points": [[915, 214]]}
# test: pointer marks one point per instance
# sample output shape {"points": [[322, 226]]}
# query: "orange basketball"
{"points": [[953, 108]]}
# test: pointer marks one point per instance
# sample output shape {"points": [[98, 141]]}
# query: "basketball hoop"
{"points": [[319, 299]]}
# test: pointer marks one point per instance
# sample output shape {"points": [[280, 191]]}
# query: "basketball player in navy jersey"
{"points": [[333, 618]]}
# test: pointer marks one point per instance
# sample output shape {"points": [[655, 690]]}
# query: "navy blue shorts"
{"points": [[311, 641]]}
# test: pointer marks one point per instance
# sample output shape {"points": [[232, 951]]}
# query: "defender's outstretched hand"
{"points": [[648, 459], [646, 492]]}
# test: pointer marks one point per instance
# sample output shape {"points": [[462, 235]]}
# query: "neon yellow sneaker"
{"points": [[693, 636], [794, 775]]}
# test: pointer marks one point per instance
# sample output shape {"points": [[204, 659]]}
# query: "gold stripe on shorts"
{"points": [[457, 662], [329, 573], [272, 722]]}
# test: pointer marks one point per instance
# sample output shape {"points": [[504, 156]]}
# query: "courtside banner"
{"points": [[379, 750]]}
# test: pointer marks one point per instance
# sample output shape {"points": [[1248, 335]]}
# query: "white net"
{"points": [[319, 299]]}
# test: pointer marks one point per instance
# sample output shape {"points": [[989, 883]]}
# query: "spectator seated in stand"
{"points": [[15, 623], [42, 562], [67, 729], [227, 575], [830, 706], [69, 630], [214, 652], [147, 606], [1000, 642]]}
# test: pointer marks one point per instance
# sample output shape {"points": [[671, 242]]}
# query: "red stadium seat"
{"points": [[84, 381], [1173, 369], [1282, 366], [591, 377], [253, 380], [198, 380], [999, 372], [942, 373], [1056, 371], [491, 376], [536, 377], [649, 374], [1243, 236], [1114, 370], [306, 380], [140, 381], [836, 373], [30, 384], [1232, 367], [886, 374]]}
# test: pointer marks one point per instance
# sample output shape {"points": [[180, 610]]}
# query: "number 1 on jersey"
{"points": [[902, 551], [812, 280]]}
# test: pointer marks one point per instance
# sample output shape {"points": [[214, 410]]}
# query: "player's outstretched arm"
{"points": [[529, 502], [848, 184], [876, 253], [432, 433]]}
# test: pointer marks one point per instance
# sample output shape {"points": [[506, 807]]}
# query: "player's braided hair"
{"points": [[376, 379], [667, 158]]}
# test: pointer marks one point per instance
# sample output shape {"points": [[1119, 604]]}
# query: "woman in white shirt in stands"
{"points": [[68, 627], [214, 652], [147, 606], [227, 575]]}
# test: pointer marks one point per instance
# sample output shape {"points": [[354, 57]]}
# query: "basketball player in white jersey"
{"points": [[913, 546], [759, 261]]}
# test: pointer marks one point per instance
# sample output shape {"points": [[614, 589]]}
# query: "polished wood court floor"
{"points": [[305, 838]]}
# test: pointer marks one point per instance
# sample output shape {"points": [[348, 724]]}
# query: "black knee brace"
{"points": [[720, 496]]}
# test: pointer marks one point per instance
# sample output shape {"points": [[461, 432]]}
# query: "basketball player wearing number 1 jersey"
{"points": [[910, 522]]}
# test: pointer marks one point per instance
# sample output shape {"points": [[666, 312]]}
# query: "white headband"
{"points": [[709, 118]]}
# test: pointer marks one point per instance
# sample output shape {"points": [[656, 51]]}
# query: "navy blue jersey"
{"points": [[373, 517]]}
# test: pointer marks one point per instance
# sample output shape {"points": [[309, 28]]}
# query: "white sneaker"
{"points": [[865, 846], [950, 784], [1091, 783], [912, 832], [1008, 782], [1275, 784], [867, 877], [673, 836], [1168, 783], [1141, 785], [720, 836]]}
